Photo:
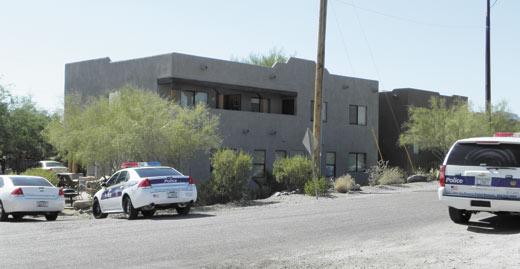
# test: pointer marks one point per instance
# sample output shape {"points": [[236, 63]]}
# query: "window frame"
{"points": [[324, 108], [193, 98], [356, 121], [357, 154], [327, 164], [259, 164]]}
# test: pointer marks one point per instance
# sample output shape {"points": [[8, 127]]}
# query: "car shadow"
{"points": [[501, 224], [173, 216]]}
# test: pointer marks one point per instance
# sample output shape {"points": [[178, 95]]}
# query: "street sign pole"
{"points": [[310, 142]]}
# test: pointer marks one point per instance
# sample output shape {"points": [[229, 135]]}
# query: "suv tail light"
{"points": [[17, 192], [442, 175], [60, 193], [192, 181], [145, 183]]}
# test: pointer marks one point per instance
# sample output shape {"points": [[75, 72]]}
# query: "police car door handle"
{"points": [[458, 174]]}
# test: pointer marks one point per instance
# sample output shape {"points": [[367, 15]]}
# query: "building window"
{"points": [[288, 106], [323, 111], [259, 163], [358, 115], [279, 155], [416, 149], [357, 162], [232, 102], [331, 164], [260, 105], [189, 98]]}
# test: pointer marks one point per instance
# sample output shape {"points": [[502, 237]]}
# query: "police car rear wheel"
{"points": [[459, 216], [183, 210], [96, 211], [148, 213], [51, 216], [3, 215], [130, 211]]}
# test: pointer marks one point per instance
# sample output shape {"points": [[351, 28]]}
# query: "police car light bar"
{"points": [[140, 164], [506, 134]]}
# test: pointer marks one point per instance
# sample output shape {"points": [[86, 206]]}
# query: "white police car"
{"points": [[481, 175], [144, 187]]}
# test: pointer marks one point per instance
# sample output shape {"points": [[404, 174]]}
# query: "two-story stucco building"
{"points": [[263, 110]]}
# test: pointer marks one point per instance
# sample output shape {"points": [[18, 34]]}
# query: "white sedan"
{"points": [[144, 188], [53, 166], [29, 195]]}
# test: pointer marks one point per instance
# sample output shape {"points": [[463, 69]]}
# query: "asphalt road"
{"points": [[391, 230]]}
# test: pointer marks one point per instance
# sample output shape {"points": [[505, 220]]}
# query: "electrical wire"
{"points": [[494, 4], [410, 20]]}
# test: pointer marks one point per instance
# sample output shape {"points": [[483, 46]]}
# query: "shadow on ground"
{"points": [[501, 224]]}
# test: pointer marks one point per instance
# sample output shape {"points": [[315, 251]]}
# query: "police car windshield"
{"points": [[496, 155], [156, 172], [30, 181]]}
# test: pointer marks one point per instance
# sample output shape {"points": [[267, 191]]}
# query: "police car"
{"points": [[144, 187], [481, 175]]}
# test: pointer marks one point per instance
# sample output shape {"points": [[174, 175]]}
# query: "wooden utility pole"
{"points": [[488, 61], [318, 86]]}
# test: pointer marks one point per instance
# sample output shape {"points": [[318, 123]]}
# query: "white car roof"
{"points": [[509, 140]]}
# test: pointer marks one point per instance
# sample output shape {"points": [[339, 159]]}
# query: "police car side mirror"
{"points": [[104, 183]]}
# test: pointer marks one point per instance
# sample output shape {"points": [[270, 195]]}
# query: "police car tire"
{"points": [[459, 216], [130, 211], [3, 215], [148, 213], [183, 210], [51, 216], [17, 216], [96, 211]]}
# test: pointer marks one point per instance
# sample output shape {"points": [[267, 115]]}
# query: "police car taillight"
{"points": [[506, 134], [442, 176], [61, 193], [144, 183], [17, 192], [192, 181]]}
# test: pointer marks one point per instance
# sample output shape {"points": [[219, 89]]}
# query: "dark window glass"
{"points": [[201, 97], [471, 154], [331, 164], [53, 164], [259, 163], [30, 181], [123, 177], [232, 102], [288, 107], [113, 179], [356, 162], [187, 98], [157, 172], [357, 115]]}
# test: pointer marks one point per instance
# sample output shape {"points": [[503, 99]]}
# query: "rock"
{"points": [[417, 178], [355, 187], [276, 194], [81, 205]]}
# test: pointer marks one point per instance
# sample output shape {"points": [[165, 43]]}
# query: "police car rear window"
{"points": [[30, 181], [156, 172], [500, 155]]}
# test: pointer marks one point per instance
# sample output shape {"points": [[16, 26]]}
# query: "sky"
{"points": [[436, 45]]}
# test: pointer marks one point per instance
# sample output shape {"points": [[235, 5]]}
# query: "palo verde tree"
{"points": [[437, 127], [133, 125], [274, 55]]}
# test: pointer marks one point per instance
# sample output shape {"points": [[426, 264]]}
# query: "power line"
{"points": [[411, 20]]}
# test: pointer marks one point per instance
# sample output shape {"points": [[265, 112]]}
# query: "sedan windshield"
{"points": [[157, 172], [30, 181]]}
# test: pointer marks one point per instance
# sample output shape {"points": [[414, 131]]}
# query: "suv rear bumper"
{"points": [[495, 205]]}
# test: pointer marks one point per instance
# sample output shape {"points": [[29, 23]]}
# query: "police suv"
{"points": [[144, 187], [481, 175]]}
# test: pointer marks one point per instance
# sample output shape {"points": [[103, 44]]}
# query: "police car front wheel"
{"points": [[96, 210]]}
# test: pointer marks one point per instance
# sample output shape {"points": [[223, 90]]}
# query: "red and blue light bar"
{"points": [[140, 164], [506, 134]]}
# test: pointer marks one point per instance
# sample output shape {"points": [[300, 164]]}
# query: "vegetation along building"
{"points": [[393, 112], [263, 110]]}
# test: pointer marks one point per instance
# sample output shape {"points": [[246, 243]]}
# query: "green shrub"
{"points": [[322, 184], [294, 172], [433, 174], [49, 175], [206, 194], [344, 184], [392, 176], [230, 175]]}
